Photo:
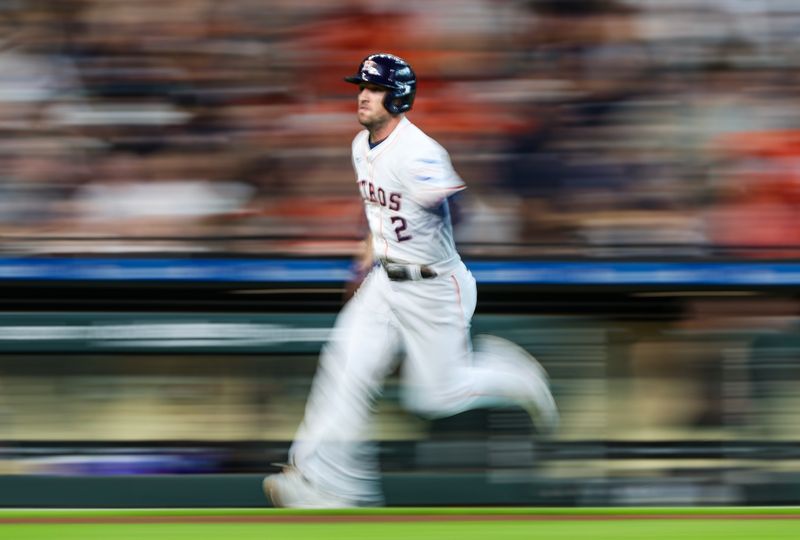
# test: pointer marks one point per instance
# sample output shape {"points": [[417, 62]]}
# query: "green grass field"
{"points": [[406, 524]]}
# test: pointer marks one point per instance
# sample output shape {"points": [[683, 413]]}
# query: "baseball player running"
{"points": [[418, 298]]}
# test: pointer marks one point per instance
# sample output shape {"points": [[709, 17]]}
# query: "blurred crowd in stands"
{"points": [[595, 127]]}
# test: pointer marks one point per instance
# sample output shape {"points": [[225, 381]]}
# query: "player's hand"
{"points": [[362, 265]]}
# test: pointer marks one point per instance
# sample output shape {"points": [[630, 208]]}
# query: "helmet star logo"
{"points": [[371, 68]]}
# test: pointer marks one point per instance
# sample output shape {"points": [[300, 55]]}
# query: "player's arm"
{"points": [[363, 261], [432, 178], [364, 257], [456, 205]]}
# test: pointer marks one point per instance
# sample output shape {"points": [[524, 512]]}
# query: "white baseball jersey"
{"points": [[404, 183]]}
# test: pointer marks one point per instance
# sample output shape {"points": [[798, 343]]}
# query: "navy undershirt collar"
{"points": [[374, 144]]}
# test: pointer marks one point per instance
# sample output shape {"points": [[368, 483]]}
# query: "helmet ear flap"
{"points": [[400, 100], [393, 104]]}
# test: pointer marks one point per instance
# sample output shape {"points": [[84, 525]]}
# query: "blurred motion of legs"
{"points": [[535, 395], [290, 489]]}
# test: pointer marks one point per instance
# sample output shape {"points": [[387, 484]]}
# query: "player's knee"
{"points": [[429, 402]]}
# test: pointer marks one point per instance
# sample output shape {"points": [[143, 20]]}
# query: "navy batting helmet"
{"points": [[392, 73]]}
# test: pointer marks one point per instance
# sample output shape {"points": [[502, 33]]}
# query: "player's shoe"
{"points": [[538, 399], [290, 489]]}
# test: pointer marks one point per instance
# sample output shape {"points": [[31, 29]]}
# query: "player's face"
{"points": [[371, 112]]}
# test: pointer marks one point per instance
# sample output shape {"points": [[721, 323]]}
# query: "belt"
{"points": [[407, 272]]}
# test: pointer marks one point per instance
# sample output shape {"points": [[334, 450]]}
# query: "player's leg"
{"points": [[534, 393], [331, 448], [442, 374]]}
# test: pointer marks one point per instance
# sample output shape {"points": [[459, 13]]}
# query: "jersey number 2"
{"points": [[399, 228]]}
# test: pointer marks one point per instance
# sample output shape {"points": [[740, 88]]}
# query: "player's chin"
{"points": [[364, 119]]}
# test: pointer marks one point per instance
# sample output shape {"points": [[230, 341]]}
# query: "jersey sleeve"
{"points": [[358, 140], [430, 176]]}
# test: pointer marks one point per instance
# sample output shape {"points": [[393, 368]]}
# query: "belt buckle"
{"points": [[396, 272]]}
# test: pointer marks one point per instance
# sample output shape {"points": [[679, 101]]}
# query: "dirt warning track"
{"points": [[376, 518]]}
